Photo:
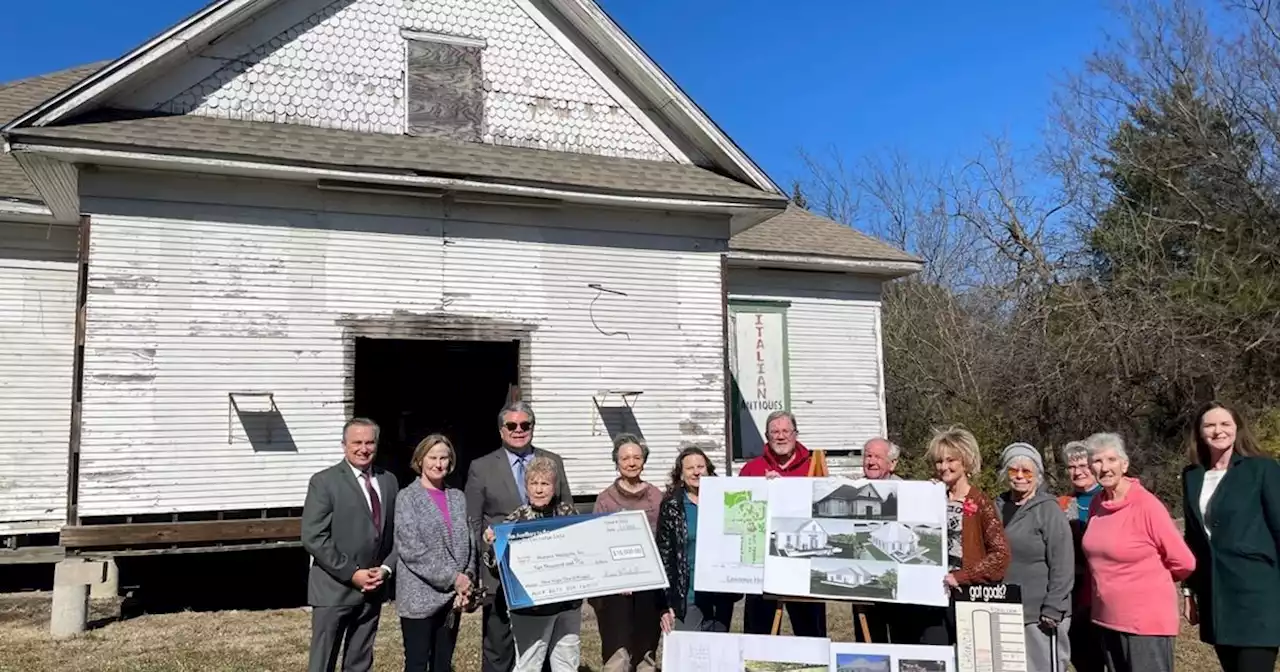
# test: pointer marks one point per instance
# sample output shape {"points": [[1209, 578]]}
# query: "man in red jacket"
{"points": [[783, 456]]}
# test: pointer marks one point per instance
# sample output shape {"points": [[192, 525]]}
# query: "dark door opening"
{"points": [[414, 388]]}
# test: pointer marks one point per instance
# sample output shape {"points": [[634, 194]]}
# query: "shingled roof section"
{"points": [[16, 98], [798, 231], [295, 144]]}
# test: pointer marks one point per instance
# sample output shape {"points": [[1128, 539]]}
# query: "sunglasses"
{"points": [[1021, 471], [523, 426]]}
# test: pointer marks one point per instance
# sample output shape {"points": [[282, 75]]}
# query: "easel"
{"points": [[782, 603], [817, 469]]}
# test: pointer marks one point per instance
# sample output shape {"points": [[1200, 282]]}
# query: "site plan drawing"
{"points": [[732, 541]]}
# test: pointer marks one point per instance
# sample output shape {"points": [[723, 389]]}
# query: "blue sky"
{"points": [[928, 79]]}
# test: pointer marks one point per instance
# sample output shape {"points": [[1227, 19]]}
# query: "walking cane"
{"points": [[1053, 650]]}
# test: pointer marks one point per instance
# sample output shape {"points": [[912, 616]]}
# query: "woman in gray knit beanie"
{"points": [[1043, 562]]}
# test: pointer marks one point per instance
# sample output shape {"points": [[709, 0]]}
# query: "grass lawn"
{"points": [[278, 639]]}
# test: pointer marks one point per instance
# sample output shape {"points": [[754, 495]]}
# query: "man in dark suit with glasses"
{"points": [[495, 488]]}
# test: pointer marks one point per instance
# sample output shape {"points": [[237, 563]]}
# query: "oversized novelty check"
{"points": [[576, 557]]}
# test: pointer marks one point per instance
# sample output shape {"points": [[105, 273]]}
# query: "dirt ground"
{"points": [[275, 640]]}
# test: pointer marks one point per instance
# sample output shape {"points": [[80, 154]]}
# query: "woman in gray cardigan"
{"points": [[436, 574], [1043, 562]]}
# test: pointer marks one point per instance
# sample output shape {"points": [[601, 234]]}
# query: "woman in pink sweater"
{"points": [[1135, 554], [629, 623]]}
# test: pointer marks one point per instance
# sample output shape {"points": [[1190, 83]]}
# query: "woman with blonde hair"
{"points": [[977, 550], [436, 573], [1231, 509]]}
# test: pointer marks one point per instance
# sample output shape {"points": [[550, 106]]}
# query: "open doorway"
{"points": [[413, 388]]}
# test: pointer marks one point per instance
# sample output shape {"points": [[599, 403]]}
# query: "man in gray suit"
{"points": [[495, 488], [347, 524]]}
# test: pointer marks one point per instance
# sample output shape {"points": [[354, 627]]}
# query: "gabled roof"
{"points": [[218, 18], [292, 144], [847, 492], [895, 531], [19, 96], [800, 232]]}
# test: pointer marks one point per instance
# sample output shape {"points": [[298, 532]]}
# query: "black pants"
{"points": [[429, 642], [709, 612], [498, 648], [1086, 644], [1246, 659], [920, 624], [808, 619]]}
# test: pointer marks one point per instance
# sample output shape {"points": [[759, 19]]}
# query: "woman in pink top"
{"points": [[628, 623], [1135, 554]]}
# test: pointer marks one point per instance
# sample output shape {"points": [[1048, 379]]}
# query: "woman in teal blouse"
{"points": [[1231, 508]]}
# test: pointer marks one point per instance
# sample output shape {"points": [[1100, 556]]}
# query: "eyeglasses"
{"points": [[1014, 472], [523, 426]]}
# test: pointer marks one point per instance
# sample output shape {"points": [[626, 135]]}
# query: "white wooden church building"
{"points": [[282, 213]]}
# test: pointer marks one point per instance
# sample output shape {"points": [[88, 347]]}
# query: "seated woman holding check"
{"points": [[549, 630]]}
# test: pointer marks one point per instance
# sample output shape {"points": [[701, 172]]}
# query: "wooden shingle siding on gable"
{"points": [[445, 91], [342, 65]]}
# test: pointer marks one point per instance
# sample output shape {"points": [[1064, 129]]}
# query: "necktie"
{"points": [[524, 496], [374, 504]]}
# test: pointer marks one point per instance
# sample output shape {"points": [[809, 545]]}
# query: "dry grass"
{"points": [[274, 640]]}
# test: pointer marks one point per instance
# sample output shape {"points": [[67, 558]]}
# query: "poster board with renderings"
{"points": [[565, 558], [989, 629], [855, 657], [731, 535], [857, 540], [731, 652]]}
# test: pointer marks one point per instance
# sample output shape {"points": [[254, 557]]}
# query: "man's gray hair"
{"points": [[1104, 441], [1074, 450], [630, 439], [361, 422], [894, 451], [781, 414], [516, 407]]}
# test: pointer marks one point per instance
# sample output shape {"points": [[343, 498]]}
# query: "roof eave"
{"points": [[188, 35], [643, 73], [884, 269], [37, 159]]}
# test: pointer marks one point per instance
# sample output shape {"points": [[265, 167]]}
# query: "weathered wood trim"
{"points": [[77, 373], [137, 534], [730, 400]]}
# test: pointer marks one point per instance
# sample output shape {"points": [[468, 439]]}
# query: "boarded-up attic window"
{"points": [[445, 90]]}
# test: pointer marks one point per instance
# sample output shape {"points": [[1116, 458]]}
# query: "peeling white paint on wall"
{"points": [[37, 339], [181, 313], [343, 67]]}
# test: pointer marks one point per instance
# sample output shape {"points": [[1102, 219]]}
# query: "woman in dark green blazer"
{"points": [[1231, 508]]}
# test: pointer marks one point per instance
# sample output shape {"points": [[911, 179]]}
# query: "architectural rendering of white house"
{"points": [[849, 500], [852, 576], [896, 539], [809, 536]]}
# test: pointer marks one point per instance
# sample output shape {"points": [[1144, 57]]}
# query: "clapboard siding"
{"points": [[182, 312], [37, 336], [833, 339]]}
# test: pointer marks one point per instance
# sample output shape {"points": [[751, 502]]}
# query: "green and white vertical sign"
{"points": [[759, 362]]}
